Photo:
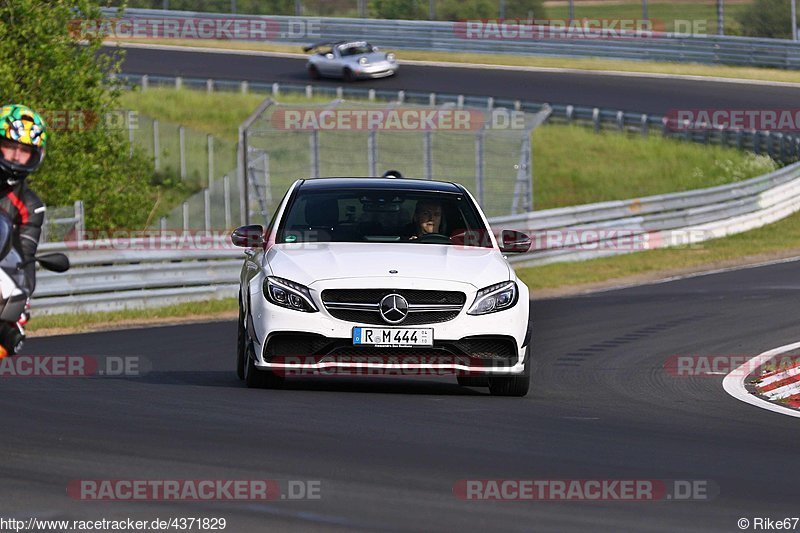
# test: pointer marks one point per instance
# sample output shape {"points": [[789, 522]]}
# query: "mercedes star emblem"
{"points": [[394, 308]]}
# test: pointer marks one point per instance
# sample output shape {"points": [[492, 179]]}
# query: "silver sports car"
{"points": [[349, 60]]}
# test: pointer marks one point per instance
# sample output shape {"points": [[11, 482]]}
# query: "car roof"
{"points": [[407, 184]]}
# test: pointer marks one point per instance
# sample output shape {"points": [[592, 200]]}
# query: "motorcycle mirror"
{"points": [[55, 262]]}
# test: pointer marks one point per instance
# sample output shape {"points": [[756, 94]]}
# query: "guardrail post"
{"points": [[490, 103], [182, 150], [401, 96], [210, 85], [185, 209], [245, 87], [156, 147], [145, 82], [768, 139], [210, 153], [276, 89], [309, 91], [620, 121], [226, 192], [460, 101], [80, 221], [130, 133], [207, 209], [644, 125], [479, 165], [372, 153], [596, 119], [163, 225], [517, 105], [569, 113], [339, 92], [371, 95], [314, 146], [427, 149], [432, 99], [178, 83]]}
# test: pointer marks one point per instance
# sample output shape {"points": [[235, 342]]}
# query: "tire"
{"points": [[517, 385], [347, 75], [473, 381], [241, 342], [313, 72], [256, 378]]}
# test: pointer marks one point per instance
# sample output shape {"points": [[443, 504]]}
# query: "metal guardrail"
{"points": [[104, 279], [453, 37]]}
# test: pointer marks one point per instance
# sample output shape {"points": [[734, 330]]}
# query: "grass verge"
{"points": [[86, 322], [774, 241], [608, 166], [591, 64]]}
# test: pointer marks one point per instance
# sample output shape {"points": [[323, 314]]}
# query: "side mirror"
{"points": [[54, 262], [514, 242], [248, 236]]}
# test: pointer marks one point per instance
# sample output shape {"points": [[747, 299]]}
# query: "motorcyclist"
{"points": [[23, 136]]}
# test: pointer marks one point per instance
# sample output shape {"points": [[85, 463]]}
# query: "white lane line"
{"points": [[483, 66], [734, 382]]}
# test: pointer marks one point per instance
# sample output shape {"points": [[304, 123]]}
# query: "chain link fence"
{"points": [[487, 150]]}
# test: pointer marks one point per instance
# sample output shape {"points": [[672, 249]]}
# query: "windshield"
{"points": [[355, 49], [383, 215]]}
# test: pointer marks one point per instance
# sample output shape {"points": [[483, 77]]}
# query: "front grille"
{"points": [[374, 318], [374, 296]]}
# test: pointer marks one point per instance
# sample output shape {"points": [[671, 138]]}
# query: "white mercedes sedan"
{"points": [[382, 276]]}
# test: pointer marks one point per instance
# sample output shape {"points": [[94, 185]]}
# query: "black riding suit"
{"points": [[27, 213]]}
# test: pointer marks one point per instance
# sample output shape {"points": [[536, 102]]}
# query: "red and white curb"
{"points": [[778, 385], [783, 384]]}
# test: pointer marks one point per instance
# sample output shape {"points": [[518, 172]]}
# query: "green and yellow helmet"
{"points": [[21, 124]]}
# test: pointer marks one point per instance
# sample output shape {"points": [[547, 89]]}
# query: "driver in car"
{"points": [[427, 218]]}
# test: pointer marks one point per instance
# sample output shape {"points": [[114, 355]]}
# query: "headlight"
{"points": [[494, 298], [363, 61], [390, 57], [289, 294]]}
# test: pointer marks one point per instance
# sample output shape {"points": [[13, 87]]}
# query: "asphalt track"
{"points": [[647, 95], [388, 451]]}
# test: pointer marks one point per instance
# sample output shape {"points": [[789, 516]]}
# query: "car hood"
{"points": [[309, 262]]}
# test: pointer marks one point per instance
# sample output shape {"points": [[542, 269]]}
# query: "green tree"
{"points": [[43, 65], [766, 18]]}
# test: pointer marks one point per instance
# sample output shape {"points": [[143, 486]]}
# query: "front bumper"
{"points": [[490, 344], [376, 70]]}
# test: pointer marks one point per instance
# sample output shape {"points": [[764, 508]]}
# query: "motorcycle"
{"points": [[14, 292]]}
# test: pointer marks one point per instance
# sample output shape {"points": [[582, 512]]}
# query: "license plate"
{"points": [[393, 337]]}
